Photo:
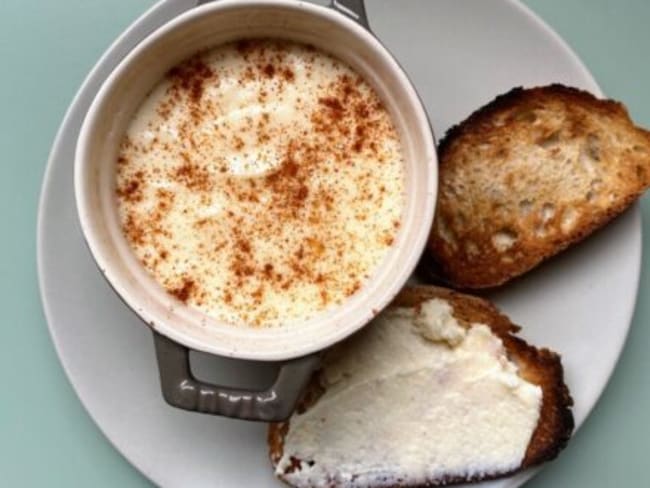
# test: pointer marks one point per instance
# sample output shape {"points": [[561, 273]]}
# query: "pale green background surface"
{"points": [[47, 438]]}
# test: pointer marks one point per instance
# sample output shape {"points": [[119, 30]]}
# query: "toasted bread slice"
{"points": [[529, 174], [539, 367]]}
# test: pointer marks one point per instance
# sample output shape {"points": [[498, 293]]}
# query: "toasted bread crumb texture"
{"points": [[538, 367], [527, 175]]}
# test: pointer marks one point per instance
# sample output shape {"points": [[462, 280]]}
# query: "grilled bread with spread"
{"points": [[436, 390]]}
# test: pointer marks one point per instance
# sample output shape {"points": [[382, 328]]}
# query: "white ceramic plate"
{"points": [[460, 54]]}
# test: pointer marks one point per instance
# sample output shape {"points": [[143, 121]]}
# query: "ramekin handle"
{"points": [[354, 9], [182, 390]]}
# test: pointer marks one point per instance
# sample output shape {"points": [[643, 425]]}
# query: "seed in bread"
{"points": [[529, 174], [436, 391]]}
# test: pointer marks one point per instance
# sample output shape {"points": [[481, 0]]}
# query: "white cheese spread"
{"points": [[413, 397]]}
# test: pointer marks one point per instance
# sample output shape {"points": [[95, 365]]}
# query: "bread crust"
{"points": [[541, 367], [529, 174]]}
